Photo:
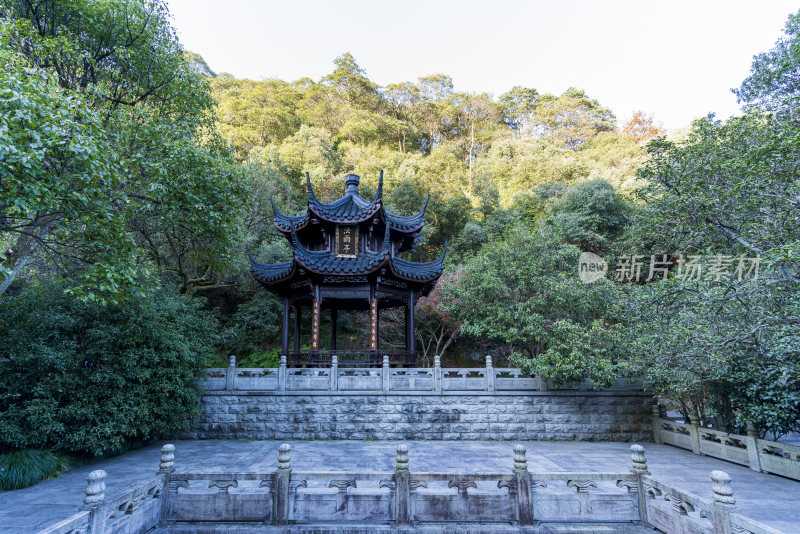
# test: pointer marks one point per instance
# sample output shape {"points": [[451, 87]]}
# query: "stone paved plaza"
{"points": [[769, 499]]}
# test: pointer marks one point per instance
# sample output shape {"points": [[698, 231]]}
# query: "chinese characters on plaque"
{"points": [[347, 240]]}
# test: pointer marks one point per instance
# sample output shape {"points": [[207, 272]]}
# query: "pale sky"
{"points": [[675, 59]]}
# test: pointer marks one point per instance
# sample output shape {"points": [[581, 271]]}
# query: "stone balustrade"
{"points": [[759, 454], [331, 378], [335, 501]]}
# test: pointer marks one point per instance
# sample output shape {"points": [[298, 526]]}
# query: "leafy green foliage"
{"points": [[255, 326], [522, 292], [590, 215], [81, 378], [727, 347], [112, 132], [20, 469]]}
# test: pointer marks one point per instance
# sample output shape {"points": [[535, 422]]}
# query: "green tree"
{"points": [[729, 189], [589, 215], [81, 378], [167, 168], [58, 182], [519, 105], [572, 118], [773, 82], [523, 292]]}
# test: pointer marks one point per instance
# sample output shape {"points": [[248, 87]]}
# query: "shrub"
{"points": [[83, 378], [21, 469]]}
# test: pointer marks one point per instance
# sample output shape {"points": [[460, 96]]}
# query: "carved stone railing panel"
{"points": [[464, 379], [213, 379], [76, 524], [722, 445], [516, 379], [258, 379], [310, 379], [412, 379], [758, 454], [779, 458], [672, 510], [354, 379]]}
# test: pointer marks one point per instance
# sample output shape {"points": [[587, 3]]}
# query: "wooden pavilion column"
{"points": [[297, 314], [411, 341], [285, 332], [315, 308], [373, 318], [334, 319]]}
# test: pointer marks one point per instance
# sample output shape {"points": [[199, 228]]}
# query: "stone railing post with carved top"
{"points": [[656, 423], [334, 373], [230, 374], [639, 468], [387, 374], [166, 466], [752, 447], [489, 374], [694, 430], [402, 494], [437, 373], [282, 374], [283, 478], [93, 499], [524, 505], [724, 503]]}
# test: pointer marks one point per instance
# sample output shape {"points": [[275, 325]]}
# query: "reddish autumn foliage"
{"points": [[641, 127]]}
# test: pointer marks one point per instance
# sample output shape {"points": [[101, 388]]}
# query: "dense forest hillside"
{"points": [[133, 178]]}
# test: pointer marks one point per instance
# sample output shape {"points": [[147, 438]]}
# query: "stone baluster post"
{"points": [[639, 468], [489, 374], [694, 430], [93, 499], [386, 375], [166, 466], [282, 374], [655, 418], [638, 460], [437, 373], [752, 447], [724, 503], [230, 374], [402, 494], [283, 479], [524, 504], [334, 372]]}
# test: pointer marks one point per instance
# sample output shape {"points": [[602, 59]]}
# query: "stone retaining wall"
{"points": [[552, 415]]}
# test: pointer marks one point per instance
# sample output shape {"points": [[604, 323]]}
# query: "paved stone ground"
{"points": [[772, 500]]}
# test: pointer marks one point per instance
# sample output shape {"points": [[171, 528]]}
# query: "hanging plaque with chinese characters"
{"points": [[347, 240]]}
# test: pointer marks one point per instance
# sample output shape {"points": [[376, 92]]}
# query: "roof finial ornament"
{"points": [[351, 181]]}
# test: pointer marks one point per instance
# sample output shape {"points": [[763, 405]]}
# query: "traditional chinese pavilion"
{"points": [[346, 256]]}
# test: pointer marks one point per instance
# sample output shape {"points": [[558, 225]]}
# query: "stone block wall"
{"points": [[552, 415]]}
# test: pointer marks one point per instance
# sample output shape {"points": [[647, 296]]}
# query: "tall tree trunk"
{"points": [[21, 254]]}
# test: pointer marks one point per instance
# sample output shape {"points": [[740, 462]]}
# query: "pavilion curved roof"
{"points": [[351, 208], [422, 271], [268, 273], [326, 262]]}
